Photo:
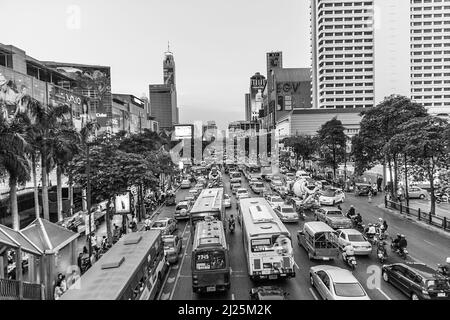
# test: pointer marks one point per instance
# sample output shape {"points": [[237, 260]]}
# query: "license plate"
{"points": [[326, 258], [441, 294], [210, 289], [273, 277]]}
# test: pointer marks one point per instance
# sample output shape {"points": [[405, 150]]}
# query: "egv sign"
{"points": [[288, 87]]}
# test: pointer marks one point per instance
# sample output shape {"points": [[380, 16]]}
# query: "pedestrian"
{"points": [[370, 194], [147, 223], [63, 284], [79, 260], [379, 183], [94, 241], [58, 292]]}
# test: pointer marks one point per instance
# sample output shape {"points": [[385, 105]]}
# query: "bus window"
{"points": [[210, 260]]}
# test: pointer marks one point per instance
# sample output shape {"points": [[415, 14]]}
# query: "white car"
{"points": [[275, 184], [166, 225], [227, 201], [335, 283], [185, 184], [253, 181], [331, 196], [242, 192], [286, 213], [350, 236], [289, 176], [275, 201]]}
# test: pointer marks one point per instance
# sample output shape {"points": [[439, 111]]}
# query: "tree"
{"points": [[378, 126], [303, 146], [425, 145], [13, 161], [333, 140]]}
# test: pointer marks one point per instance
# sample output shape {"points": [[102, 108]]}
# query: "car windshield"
{"points": [[160, 224], [438, 284], [259, 185], [288, 210], [356, 238], [236, 175], [181, 206], [242, 191], [169, 243], [276, 199], [328, 193], [349, 290], [334, 213]]}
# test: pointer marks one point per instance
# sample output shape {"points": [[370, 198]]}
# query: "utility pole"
{"points": [[88, 197]]}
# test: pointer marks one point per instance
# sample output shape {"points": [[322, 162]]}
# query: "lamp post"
{"points": [[88, 197]]}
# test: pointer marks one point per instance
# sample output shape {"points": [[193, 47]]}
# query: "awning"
{"points": [[15, 239]]}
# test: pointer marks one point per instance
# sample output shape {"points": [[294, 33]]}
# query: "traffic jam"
{"points": [[239, 231]]}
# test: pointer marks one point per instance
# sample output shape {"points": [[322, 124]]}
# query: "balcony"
{"points": [[17, 290]]}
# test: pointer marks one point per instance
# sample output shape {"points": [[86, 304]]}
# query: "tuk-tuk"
{"points": [[362, 189], [170, 200], [319, 240]]}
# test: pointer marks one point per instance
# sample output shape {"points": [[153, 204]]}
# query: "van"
{"points": [[319, 240]]}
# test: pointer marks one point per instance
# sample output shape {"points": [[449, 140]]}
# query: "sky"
{"points": [[217, 44]]}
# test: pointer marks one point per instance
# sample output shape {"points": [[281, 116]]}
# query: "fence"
{"points": [[10, 290], [427, 217]]}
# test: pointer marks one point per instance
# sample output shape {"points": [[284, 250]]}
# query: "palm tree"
{"points": [[13, 161], [46, 123]]}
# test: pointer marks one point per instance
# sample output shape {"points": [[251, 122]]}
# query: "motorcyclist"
{"points": [[231, 222], [402, 243], [371, 231], [348, 251], [357, 219], [351, 212], [445, 269], [381, 246]]}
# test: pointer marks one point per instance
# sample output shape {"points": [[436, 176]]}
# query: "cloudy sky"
{"points": [[217, 44]]}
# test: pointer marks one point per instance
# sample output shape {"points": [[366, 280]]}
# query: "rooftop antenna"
{"points": [[168, 46]]}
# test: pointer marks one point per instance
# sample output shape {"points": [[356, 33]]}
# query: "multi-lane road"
{"points": [[424, 246]]}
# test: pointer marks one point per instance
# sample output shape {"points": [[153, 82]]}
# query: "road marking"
{"points": [[232, 296], [417, 260], [179, 269], [384, 294], [313, 293], [431, 243], [295, 264]]}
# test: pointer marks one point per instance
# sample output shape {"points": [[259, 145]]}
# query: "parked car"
{"points": [[172, 247], [199, 186], [362, 189], [274, 200], [331, 196], [286, 213], [166, 225], [417, 193], [335, 283], [258, 187], [351, 236], [226, 200], [182, 210], [185, 184], [333, 217], [417, 280], [190, 198], [242, 192], [267, 293]]}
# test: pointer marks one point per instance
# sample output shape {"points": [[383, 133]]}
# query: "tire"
{"points": [[414, 296], [385, 276]]}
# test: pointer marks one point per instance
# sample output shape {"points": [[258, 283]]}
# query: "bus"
{"points": [[267, 242], [210, 266], [252, 171], [133, 269], [209, 203]]}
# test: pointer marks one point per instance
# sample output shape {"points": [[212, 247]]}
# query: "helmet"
{"points": [[370, 224], [380, 219], [398, 235], [447, 260], [352, 206], [402, 235]]}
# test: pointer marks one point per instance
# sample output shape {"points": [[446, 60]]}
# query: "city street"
{"points": [[423, 245]]}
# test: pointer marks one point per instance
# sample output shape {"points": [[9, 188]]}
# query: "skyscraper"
{"points": [[342, 41], [163, 97]]}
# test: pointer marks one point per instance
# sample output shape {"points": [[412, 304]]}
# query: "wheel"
{"points": [[414, 296], [385, 276], [422, 196], [311, 280]]}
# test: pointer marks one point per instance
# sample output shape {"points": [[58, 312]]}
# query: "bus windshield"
{"points": [[210, 260]]}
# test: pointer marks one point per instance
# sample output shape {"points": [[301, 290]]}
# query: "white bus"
{"points": [[267, 242], [208, 203]]}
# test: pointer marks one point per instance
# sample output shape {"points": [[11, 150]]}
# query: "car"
{"points": [[351, 236], [201, 180], [258, 187], [276, 178], [417, 193], [274, 200], [226, 200], [190, 198], [194, 192], [275, 184], [333, 283], [268, 177], [331, 196], [362, 189], [185, 184], [333, 217], [253, 181], [235, 177], [172, 247], [182, 210], [267, 293], [242, 192], [199, 186], [417, 280], [289, 176], [286, 213], [166, 225], [234, 187], [302, 174]]}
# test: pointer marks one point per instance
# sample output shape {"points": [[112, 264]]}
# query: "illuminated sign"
{"points": [[122, 203], [138, 101], [183, 132]]}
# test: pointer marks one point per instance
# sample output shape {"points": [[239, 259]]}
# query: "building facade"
{"points": [[129, 114]]}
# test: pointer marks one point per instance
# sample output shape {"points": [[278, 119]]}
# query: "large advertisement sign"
{"points": [[122, 203], [183, 132], [293, 95]]}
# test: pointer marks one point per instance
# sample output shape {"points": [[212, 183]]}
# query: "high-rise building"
{"points": [[248, 107], [430, 54], [163, 97], [342, 39]]}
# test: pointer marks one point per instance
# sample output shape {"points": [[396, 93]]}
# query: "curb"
{"points": [[415, 221]]}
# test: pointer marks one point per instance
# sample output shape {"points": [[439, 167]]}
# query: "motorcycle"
{"points": [[403, 253], [358, 225], [350, 260], [441, 197], [381, 251], [231, 227]]}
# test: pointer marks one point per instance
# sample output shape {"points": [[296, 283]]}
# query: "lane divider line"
{"points": [[181, 266], [384, 294]]}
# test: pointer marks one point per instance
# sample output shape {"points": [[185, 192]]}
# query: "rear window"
{"points": [[276, 199], [349, 290], [236, 175], [210, 260], [259, 185], [356, 238], [334, 213], [288, 210]]}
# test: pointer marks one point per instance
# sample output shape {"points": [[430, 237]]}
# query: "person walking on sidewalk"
{"points": [[370, 194], [147, 223]]}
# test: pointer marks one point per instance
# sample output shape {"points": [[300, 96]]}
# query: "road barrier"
{"points": [[431, 219]]}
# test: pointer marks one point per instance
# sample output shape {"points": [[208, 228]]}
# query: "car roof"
{"points": [[338, 275], [241, 189], [350, 231], [182, 202], [421, 269], [162, 220], [330, 208]]}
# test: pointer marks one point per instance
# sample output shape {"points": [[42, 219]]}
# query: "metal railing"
{"points": [[10, 290], [431, 219]]}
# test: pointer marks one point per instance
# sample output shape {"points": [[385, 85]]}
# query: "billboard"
{"points": [[183, 132], [122, 203], [293, 95]]}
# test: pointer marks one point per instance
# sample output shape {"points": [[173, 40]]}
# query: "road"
{"points": [[424, 246]]}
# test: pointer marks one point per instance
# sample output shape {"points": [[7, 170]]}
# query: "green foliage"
{"points": [[303, 146], [332, 140]]}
